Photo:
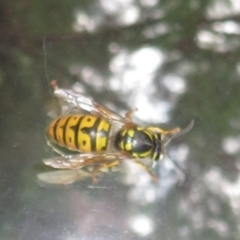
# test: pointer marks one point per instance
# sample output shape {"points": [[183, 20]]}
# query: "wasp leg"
{"points": [[54, 84], [154, 178], [129, 114], [100, 167], [165, 132]]}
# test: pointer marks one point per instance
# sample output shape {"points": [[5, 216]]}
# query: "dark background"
{"points": [[175, 61]]}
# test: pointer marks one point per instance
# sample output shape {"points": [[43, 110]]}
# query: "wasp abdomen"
{"points": [[84, 133]]}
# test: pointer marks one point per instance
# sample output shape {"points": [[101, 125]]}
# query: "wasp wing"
{"points": [[78, 167], [80, 101], [63, 176], [82, 160]]}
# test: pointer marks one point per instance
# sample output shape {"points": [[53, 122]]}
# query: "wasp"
{"points": [[100, 138]]}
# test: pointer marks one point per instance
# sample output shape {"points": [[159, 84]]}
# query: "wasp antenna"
{"points": [[182, 132], [185, 130]]}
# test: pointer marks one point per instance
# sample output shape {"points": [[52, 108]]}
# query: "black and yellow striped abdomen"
{"points": [[84, 133]]}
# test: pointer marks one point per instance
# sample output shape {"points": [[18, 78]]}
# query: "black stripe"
{"points": [[157, 147], [76, 132], [129, 140], [126, 138], [64, 127], [55, 130], [154, 141], [93, 136], [91, 131]]}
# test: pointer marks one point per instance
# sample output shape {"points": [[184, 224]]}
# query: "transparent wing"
{"points": [[80, 101], [83, 160], [98, 163], [63, 176]]}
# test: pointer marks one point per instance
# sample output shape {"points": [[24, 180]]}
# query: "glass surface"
{"points": [[173, 60]]}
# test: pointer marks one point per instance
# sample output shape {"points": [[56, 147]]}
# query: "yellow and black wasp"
{"points": [[99, 138]]}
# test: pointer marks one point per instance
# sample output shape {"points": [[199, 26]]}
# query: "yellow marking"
{"points": [[142, 155], [145, 154], [128, 146], [60, 130], [71, 132], [104, 125], [124, 132], [102, 140], [84, 139], [122, 145], [165, 132], [101, 144], [131, 132], [84, 142], [49, 131], [135, 155], [88, 121]]}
